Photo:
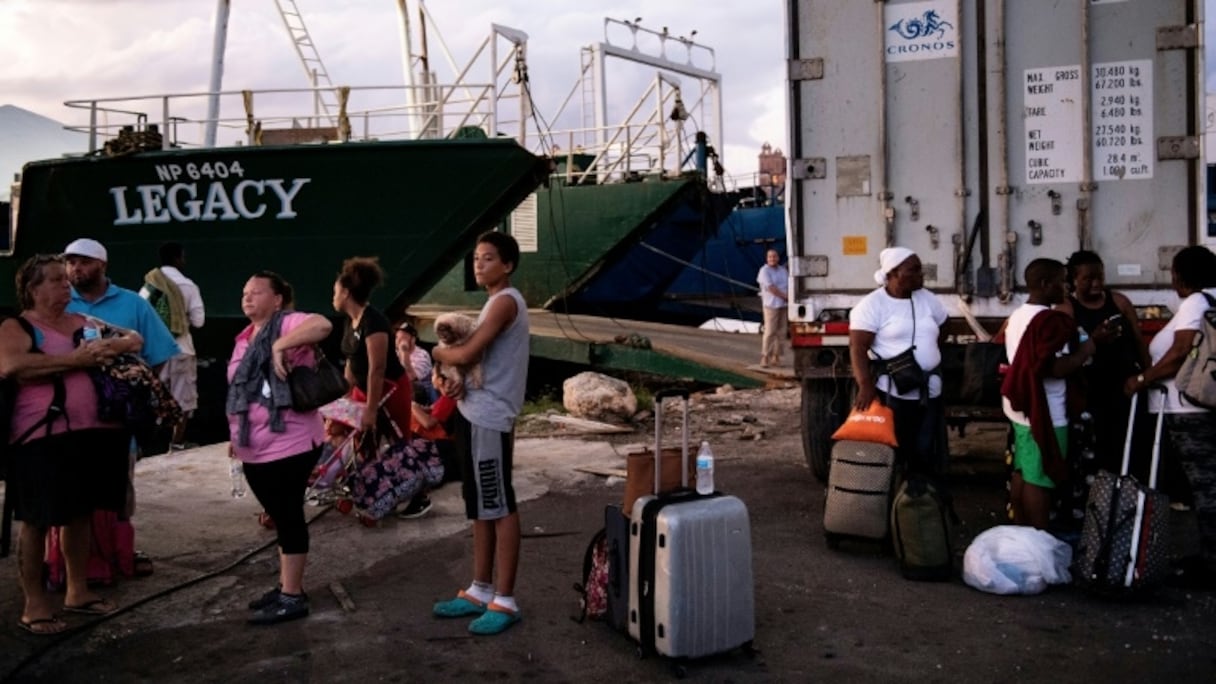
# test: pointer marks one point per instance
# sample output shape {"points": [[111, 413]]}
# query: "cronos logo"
{"points": [[929, 25], [920, 30]]}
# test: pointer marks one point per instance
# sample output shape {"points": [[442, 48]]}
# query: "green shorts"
{"points": [[1028, 460]]}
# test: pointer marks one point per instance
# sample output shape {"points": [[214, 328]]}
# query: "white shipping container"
{"points": [[986, 134], [983, 134]]}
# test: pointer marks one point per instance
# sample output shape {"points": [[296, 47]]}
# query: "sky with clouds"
{"points": [[57, 50]]}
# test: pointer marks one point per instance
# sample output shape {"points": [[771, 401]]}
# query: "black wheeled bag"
{"points": [[858, 503], [1124, 545]]}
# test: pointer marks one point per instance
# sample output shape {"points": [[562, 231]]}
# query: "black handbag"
{"points": [[904, 371], [312, 388]]}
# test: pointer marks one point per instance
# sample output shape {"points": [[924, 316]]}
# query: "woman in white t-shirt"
{"points": [[900, 315], [1191, 429]]}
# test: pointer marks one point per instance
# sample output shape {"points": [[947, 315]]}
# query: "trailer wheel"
{"points": [[825, 403]]}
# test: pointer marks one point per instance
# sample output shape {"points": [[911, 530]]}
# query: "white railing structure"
{"points": [[491, 92], [487, 92], [365, 113], [662, 138], [646, 142]]}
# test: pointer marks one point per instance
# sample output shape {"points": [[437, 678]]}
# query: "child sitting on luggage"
{"points": [[1037, 340]]}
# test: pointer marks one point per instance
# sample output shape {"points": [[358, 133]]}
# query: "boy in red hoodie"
{"points": [[1037, 339]]}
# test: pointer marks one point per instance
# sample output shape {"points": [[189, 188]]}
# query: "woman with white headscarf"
{"points": [[901, 321]]}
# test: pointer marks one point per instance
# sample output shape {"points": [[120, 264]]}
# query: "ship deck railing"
{"points": [[371, 113], [645, 143]]}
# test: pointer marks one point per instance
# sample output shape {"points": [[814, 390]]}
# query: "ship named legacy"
{"points": [[201, 193]]}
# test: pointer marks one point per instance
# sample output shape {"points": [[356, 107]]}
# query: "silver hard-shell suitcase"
{"points": [[858, 502], [691, 591]]}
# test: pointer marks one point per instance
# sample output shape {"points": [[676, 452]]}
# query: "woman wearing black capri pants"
{"points": [[277, 445]]}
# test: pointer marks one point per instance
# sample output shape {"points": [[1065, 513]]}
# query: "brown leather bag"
{"points": [[639, 473], [639, 465]]}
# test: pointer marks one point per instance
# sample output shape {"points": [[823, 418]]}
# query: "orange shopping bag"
{"points": [[874, 424]]}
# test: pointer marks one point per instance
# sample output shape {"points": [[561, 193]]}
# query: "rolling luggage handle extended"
{"points": [[658, 437], [1127, 442]]}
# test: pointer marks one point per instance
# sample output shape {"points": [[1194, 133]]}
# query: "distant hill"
{"points": [[26, 136]]}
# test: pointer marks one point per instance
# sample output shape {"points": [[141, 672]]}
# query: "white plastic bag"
{"points": [[1013, 559]]}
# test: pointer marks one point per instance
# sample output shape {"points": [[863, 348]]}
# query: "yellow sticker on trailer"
{"points": [[854, 245]]}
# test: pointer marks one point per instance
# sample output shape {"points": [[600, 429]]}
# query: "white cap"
{"points": [[87, 248], [889, 259]]}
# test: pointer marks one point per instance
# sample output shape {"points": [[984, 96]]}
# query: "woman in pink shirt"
{"points": [[278, 446], [57, 437]]}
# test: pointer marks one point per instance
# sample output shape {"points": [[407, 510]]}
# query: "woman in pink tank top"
{"points": [[56, 436]]}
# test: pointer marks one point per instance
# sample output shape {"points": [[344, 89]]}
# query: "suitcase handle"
{"points": [[658, 436], [1127, 442]]}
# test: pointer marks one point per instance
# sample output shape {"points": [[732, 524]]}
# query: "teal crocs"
{"points": [[494, 621], [461, 606]]}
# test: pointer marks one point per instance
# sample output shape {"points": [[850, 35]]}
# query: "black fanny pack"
{"points": [[904, 371]]}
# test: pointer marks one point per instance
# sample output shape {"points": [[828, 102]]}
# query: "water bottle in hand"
{"points": [[705, 469], [237, 472]]}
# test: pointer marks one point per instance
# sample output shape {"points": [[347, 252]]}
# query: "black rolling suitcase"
{"points": [[1124, 544], [616, 528]]}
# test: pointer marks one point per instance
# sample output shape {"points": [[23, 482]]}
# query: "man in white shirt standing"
{"points": [[774, 287], [179, 303]]}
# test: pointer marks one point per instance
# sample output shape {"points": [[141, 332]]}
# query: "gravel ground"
{"points": [[841, 615]]}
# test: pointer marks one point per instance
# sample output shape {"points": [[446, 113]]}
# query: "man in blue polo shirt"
{"points": [[94, 295]]}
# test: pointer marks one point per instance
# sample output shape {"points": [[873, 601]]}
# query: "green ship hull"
{"points": [[581, 234], [298, 210]]}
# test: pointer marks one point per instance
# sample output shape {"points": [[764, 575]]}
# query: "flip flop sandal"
{"points": [[32, 626], [494, 621], [91, 607]]}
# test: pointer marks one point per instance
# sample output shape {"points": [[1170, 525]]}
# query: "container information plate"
{"points": [[1122, 114], [1053, 119]]}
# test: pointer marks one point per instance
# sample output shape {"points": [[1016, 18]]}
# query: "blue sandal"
{"points": [[463, 605], [495, 620]]}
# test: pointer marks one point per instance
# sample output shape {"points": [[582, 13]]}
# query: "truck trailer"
{"points": [[983, 134]]}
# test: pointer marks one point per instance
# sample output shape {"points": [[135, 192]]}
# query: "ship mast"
{"points": [[407, 59], [222, 9], [324, 100]]}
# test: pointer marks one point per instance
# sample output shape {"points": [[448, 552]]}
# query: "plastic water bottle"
{"points": [[705, 469], [237, 472]]}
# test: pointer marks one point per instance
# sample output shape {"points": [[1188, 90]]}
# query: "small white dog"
{"points": [[453, 330]]}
